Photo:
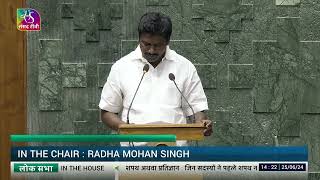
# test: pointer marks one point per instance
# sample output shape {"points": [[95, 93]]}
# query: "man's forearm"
{"points": [[199, 116], [112, 120]]}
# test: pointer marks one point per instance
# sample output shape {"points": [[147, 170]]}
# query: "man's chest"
{"points": [[155, 88]]}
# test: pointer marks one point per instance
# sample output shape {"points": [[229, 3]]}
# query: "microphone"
{"points": [[172, 78], [145, 70]]}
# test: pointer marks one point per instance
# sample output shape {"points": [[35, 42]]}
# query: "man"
{"points": [[157, 99]]}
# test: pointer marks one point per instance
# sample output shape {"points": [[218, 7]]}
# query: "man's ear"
{"points": [[139, 37]]}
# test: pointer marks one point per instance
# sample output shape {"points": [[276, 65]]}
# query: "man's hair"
{"points": [[156, 24]]}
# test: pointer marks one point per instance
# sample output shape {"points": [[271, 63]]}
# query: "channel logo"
{"points": [[28, 19]]}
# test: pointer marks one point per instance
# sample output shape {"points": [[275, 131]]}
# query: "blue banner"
{"points": [[75, 153]]}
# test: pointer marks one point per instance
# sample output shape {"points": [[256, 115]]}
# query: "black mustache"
{"points": [[151, 54]]}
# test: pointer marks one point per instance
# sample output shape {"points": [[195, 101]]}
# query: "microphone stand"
{"points": [[172, 78], [145, 70]]}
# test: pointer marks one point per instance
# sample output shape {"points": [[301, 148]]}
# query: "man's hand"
{"points": [[201, 117], [208, 124]]}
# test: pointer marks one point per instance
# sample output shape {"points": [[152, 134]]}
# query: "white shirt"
{"points": [[157, 99]]}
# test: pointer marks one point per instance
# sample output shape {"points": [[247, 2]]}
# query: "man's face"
{"points": [[153, 47]]}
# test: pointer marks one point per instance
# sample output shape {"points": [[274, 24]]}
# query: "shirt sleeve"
{"points": [[111, 98], [194, 93]]}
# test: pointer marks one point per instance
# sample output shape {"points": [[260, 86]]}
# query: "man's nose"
{"points": [[151, 50]]}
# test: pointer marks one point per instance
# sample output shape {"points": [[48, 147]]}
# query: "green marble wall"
{"points": [[259, 62]]}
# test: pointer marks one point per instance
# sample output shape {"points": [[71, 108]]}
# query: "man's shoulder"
{"points": [[125, 60]]}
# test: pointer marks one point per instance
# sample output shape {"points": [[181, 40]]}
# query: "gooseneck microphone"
{"points": [[145, 70], [172, 78]]}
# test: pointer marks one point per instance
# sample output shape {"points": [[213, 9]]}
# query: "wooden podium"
{"points": [[182, 131]]}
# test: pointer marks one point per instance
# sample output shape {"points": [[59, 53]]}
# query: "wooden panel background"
{"points": [[12, 80]]}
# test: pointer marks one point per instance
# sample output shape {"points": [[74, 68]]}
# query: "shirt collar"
{"points": [[137, 54]]}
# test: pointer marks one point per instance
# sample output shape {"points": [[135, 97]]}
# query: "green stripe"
{"points": [[94, 138], [35, 167]]}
